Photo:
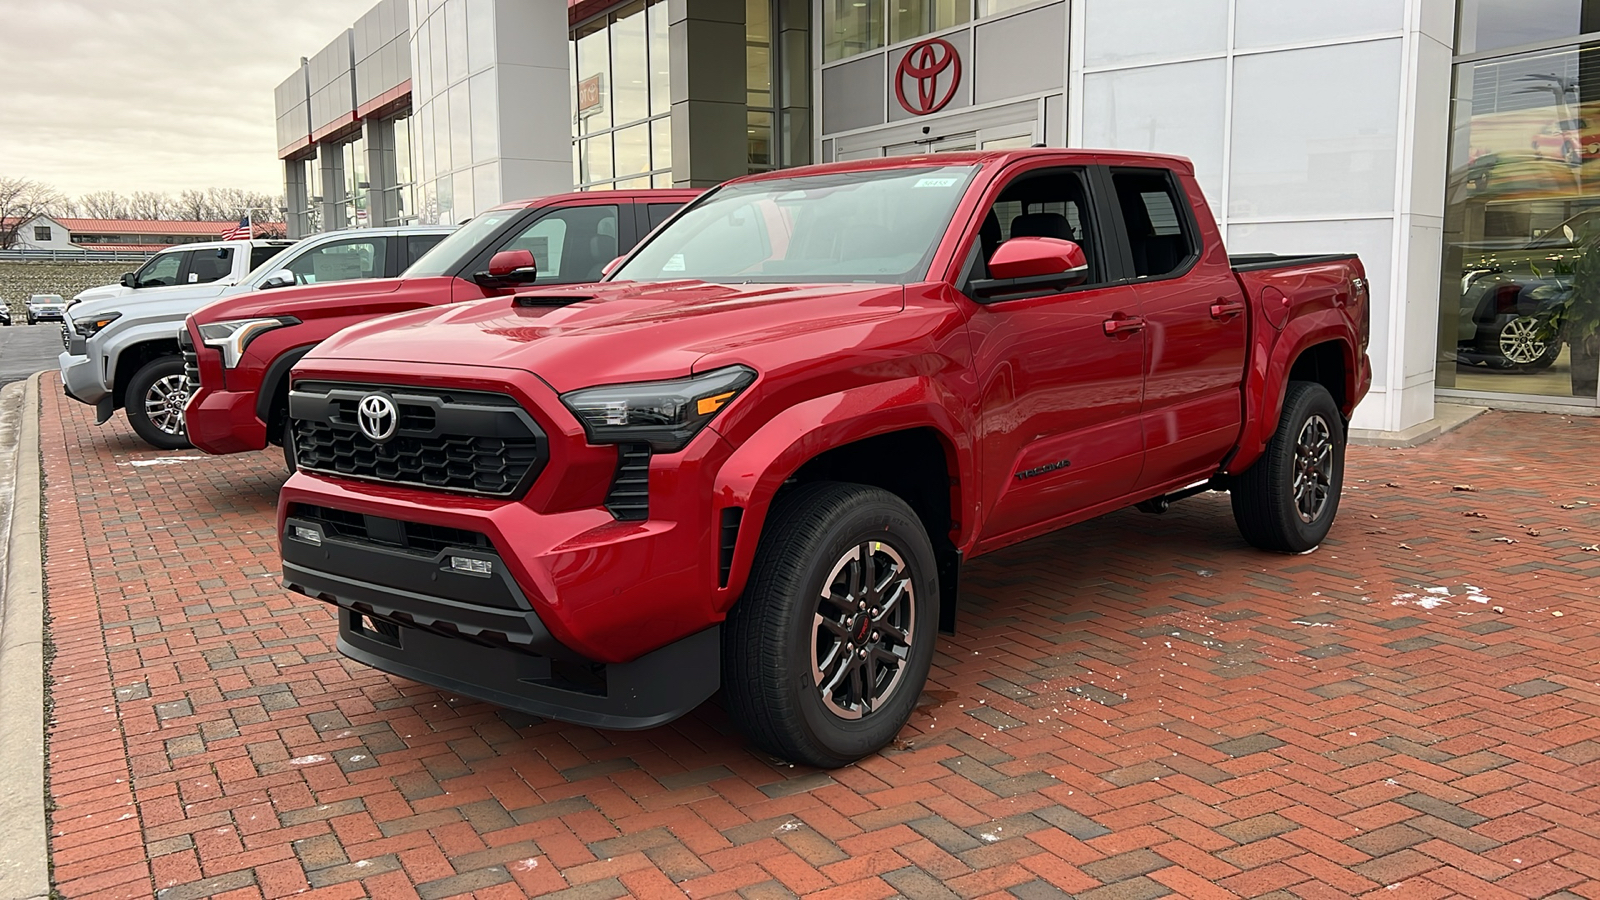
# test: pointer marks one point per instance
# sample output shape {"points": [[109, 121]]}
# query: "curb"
{"points": [[24, 851]]}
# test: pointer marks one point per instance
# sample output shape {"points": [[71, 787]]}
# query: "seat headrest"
{"points": [[1043, 224]]}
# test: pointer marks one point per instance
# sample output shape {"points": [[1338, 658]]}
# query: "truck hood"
{"points": [[297, 301], [186, 298], [607, 333], [100, 293]]}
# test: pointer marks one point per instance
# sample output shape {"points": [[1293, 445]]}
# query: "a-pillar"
{"points": [[709, 131]]}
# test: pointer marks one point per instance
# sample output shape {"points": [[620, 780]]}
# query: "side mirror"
{"points": [[1031, 267], [278, 279], [509, 267], [611, 267], [127, 279]]}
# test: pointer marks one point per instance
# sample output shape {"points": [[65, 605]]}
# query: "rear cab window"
{"points": [[206, 266], [1156, 222]]}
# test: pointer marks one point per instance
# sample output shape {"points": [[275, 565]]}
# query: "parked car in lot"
{"points": [[211, 262], [45, 308], [241, 348], [758, 453], [122, 352], [5, 311]]}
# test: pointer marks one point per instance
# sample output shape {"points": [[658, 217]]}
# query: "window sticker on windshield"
{"points": [[937, 182], [675, 264]]}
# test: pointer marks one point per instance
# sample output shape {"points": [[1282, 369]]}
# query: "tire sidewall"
{"points": [[849, 739], [133, 405]]}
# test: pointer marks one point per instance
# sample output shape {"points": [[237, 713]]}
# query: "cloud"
{"points": [[153, 94]]}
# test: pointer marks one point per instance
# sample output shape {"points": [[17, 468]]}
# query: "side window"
{"points": [[1158, 232], [206, 266], [659, 212], [160, 272], [418, 244], [341, 261], [572, 245], [259, 255], [1051, 203]]}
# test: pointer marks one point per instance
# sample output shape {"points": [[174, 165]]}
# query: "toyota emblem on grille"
{"points": [[377, 417]]}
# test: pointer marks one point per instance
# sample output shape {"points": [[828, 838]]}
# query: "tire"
{"points": [[288, 445], [1272, 511], [818, 536], [31, 321], [154, 403]]}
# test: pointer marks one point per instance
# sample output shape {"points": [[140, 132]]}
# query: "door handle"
{"points": [[1122, 326], [1223, 308]]}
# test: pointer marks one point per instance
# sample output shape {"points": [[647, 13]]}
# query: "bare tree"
{"points": [[151, 205], [21, 201], [103, 205]]}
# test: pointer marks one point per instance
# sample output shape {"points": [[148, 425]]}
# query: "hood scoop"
{"points": [[526, 301]]}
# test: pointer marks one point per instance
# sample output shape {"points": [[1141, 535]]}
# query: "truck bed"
{"points": [[1255, 262]]}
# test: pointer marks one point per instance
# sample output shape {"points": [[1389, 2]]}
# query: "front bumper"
{"points": [[221, 422], [82, 378], [48, 315], [406, 609]]}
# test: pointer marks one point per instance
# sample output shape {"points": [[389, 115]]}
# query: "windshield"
{"points": [[448, 255], [879, 226]]}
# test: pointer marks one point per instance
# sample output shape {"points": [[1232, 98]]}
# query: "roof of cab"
{"points": [[1067, 156], [659, 194]]}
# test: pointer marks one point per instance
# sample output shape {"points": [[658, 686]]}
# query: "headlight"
{"points": [[665, 414], [233, 336], [91, 326]]}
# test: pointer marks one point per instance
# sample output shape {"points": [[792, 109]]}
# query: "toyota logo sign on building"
{"points": [[931, 70]]}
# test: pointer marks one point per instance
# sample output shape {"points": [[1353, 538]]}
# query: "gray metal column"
{"points": [[294, 198], [709, 139], [330, 160], [792, 46], [379, 136]]}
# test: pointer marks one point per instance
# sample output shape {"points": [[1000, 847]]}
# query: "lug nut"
{"points": [[875, 636]]}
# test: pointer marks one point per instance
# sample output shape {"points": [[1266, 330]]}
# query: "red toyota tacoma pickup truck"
{"points": [[757, 454], [238, 351]]}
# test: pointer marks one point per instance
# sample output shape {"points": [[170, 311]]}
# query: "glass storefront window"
{"points": [[455, 35], [996, 7], [485, 132], [758, 53], [629, 73], [910, 18], [356, 184], [594, 78], [632, 148], [660, 67], [461, 135], [850, 27], [1520, 291], [1492, 24], [759, 139], [661, 144], [596, 159], [480, 34], [405, 203]]}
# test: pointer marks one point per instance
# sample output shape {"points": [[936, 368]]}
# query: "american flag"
{"points": [[238, 232]]}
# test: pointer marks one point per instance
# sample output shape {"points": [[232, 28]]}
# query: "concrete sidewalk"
{"points": [[1136, 707], [24, 870]]}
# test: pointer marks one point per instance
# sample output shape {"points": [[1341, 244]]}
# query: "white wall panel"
{"points": [[1271, 23], [1315, 131], [1119, 32], [1177, 108]]}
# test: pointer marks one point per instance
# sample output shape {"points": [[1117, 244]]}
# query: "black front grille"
{"points": [[66, 337], [191, 361], [465, 441], [629, 498]]}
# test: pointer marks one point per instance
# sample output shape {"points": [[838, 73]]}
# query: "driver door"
{"points": [[1059, 397]]}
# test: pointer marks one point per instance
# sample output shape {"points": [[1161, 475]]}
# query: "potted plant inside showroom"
{"points": [[1575, 318]]}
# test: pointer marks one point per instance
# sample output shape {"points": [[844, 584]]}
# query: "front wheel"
{"points": [[155, 398], [1287, 499], [826, 653]]}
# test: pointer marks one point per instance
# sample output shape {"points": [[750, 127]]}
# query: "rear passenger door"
{"points": [[343, 260], [1196, 329]]}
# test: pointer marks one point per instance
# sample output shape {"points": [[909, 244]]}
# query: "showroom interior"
{"points": [[1448, 142]]}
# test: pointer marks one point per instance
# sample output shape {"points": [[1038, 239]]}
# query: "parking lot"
{"points": [[25, 349], [1135, 707]]}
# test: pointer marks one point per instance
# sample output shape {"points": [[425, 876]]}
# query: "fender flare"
{"points": [[143, 333], [1267, 383], [277, 373], [753, 473]]}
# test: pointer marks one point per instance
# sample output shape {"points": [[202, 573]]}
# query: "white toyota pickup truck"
{"points": [[218, 263]]}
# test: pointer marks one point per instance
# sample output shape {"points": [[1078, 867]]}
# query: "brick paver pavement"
{"points": [[1135, 707]]}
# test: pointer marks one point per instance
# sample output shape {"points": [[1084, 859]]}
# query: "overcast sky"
{"points": [[160, 95]]}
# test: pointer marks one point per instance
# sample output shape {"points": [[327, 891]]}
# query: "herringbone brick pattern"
{"points": [[1133, 708]]}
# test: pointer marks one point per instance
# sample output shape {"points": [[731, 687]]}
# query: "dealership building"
{"points": [[1448, 142]]}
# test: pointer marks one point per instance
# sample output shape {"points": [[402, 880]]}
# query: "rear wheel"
{"points": [[827, 651], [1286, 501], [155, 398]]}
